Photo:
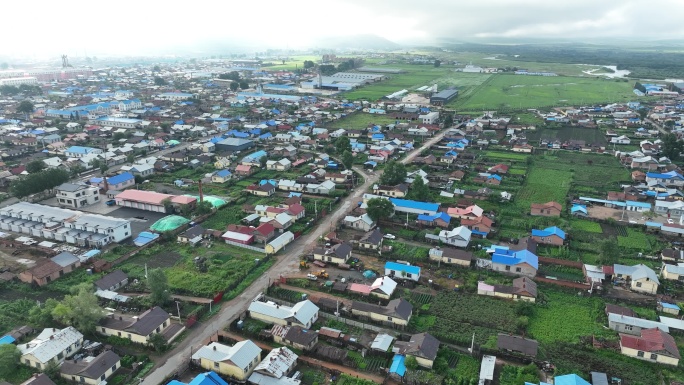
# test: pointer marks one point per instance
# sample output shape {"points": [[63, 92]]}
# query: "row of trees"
{"points": [[39, 182]]}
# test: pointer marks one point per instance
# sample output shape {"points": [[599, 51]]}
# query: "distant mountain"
{"points": [[356, 42]]}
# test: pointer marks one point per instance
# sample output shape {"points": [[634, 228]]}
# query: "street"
{"points": [[287, 262]]}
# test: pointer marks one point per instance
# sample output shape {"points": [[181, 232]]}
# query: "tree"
{"points": [[35, 166], [347, 160], [244, 85], [342, 144], [25, 107], [158, 81], [327, 69], [411, 363], [203, 208], [79, 309], [158, 342], [262, 162], [130, 158], [232, 75], [610, 252], [672, 146], [419, 191], [379, 208], [41, 316], [395, 173], [168, 205], [234, 86], [159, 287], [9, 359], [308, 64], [437, 63], [448, 120], [156, 69], [38, 182]]}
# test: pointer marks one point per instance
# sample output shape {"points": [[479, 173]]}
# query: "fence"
{"points": [[570, 284], [561, 262], [248, 247]]}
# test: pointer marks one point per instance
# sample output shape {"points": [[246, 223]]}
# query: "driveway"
{"points": [[287, 263]]}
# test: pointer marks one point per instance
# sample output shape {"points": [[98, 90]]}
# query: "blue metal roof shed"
{"points": [[398, 365], [6, 340], [401, 267]]}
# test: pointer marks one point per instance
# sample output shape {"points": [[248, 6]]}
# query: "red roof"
{"points": [[243, 167], [183, 200], [277, 210], [240, 229], [651, 340], [296, 209], [149, 197], [265, 229]]}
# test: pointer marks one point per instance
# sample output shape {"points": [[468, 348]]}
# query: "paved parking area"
{"points": [[140, 220]]}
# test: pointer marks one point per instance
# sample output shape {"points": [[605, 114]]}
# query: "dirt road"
{"points": [[287, 263]]}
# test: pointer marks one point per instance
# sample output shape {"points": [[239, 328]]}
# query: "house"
{"points": [[548, 209], [669, 308], [51, 345], [633, 325], [440, 219], [303, 313], [362, 222], [398, 191], [451, 256], [499, 169], [622, 139], [208, 378], [652, 345], [80, 152], [402, 271], [470, 212], [294, 336], [517, 344], [641, 277], [672, 255], [91, 372], [279, 165], [579, 211], [76, 195], [521, 262], [423, 347], [480, 225], [238, 237], [192, 235], [221, 176], [119, 182], [323, 188], [397, 312], [237, 361], [458, 236], [372, 240], [245, 170], [338, 253], [42, 273], [274, 368], [383, 287], [36, 379], [549, 236], [414, 207], [263, 190], [112, 281], [523, 289], [673, 272], [139, 329]]}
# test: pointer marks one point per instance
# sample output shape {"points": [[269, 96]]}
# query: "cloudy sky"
{"points": [[79, 27]]}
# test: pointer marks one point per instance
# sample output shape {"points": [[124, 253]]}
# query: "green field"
{"points": [[362, 120], [589, 135], [544, 185], [506, 91]]}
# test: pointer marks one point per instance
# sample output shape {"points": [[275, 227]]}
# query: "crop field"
{"points": [[368, 363], [498, 155], [522, 92], [635, 240], [285, 294], [416, 76], [362, 120], [586, 226], [566, 317], [589, 135], [544, 185]]}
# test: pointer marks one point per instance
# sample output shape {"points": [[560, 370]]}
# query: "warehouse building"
{"points": [[443, 97], [234, 145]]}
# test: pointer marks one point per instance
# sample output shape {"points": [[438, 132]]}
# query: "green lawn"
{"points": [[544, 185], [507, 91], [414, 77], [362, 120]]}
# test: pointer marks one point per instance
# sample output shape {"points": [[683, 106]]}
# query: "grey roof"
{"points": [[639, 322], [382, 342], [111, 279], [395, 308], [277, 363], [194, 231], [50, 342], [93, 369], [303, 311], [299, 335], [71, 187], [149, 321], [65, 259], [524, 284], [234, 142], [372, 237], [39, 379], [241, 354], [422, 345], [517, 343], [598, 378], [673, 323], [450, 252]]}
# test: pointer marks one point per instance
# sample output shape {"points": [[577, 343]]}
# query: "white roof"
{"points": [[382, 342], [674, 269], [487, 368], [241, 354], [385, 285], [277, 363], [303, 311], [236, 235], [636, 272], [460, 231], [642, 323], [50, 342], [262, 379], [283, 218], [673, 323], [282, 240]]}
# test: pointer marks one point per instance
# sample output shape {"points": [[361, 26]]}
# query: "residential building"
{"points": [[323, 188], [480, 225], [80, 151], [397, 312], [152, 200], [303, 313], [633, 325], [402, 271], [279, 243], [192, 235], [237, 361], [112, 281], [414, 207], [208, 378], [51, 345], [652, 345], [91, 370], [38, 379], [641, 277], [275, 367], [429, 118], [63, 225], [398, 191], [451, 256], [521, 262], [279, 165], [118, 182], [338, 253], [140, 328], [673, 272], [294, 336], [221, 176], [362, 222], [423, 347], [372, 240], [549, 236], [522, 289], [548, 209], [77, 195], [441, 219], [457, 237], [470, 212], [517, 344], [262, 190]]}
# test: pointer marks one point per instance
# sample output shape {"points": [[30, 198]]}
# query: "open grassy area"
{"points": [[506, 91], [544, 185], [589, 135], [362, 120], [291, 63]]}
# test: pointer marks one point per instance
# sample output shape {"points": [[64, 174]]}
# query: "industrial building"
{"points": [[151, 200], [443, 97], [18, 81], [63, 225], [234, 145]]}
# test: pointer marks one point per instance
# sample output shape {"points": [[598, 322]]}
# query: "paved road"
{"points": [[659, 127], [286, 263]]}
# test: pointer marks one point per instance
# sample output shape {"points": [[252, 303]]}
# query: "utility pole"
{"points": [[178, 308]]}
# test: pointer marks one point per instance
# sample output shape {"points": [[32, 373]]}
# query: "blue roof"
{"points": [[667, 175], [208, 378], [663, 304], [372, 163], [271, 181], [510, 257], [80, 149], [255, 156], [654, 224], [494, 176], [429, 218], [6, 339], [570, 379], [378, 136], [294, 194], [415, 204], [265, 136], [223, 173], [398, 365], [92, 253], [549, 231], [401, 267], [123, 177], [478, 232], [580, 208]]}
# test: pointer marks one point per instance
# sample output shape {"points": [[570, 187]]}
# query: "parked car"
{"points": [[389, 236], [670, 220], [111, 202]]}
